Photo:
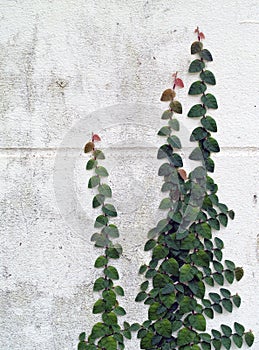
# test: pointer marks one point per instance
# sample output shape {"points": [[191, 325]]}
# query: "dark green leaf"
{"points": [[100, 261], [185, 336], [146, 341], [219, 243], [223, 219], [196, 111], [174, 141], [111, 272], [227, 304], [160, 252], [171, 267], [82, 336], [100, 221], [164, 328], [91, 164], [225, 292], [215, 297], [214, 223], [239, 328], [237, 300], [249, 338], [98, 154], [98, 200], [108, 343], [226, 342], [197, 88], [238, 340], [229, 275], [210, 165], [164, 131], [230, 265], [99, 284], [208, 77], [209, 313], [218, 278], [210, 101], [150, 244], [198, 322], [120, 311], [99, 306], [231, 214], [99, 330], [144, 286], [186, 273], [206, 55], [209, 123], [109, 210], [119, 290], [196, 66], [198, 134], [226, 330], [176, 160], [211, 144], [239, 273]]}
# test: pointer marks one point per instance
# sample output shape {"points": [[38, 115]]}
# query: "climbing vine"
{"points": [[106, 334], [186, 253]]}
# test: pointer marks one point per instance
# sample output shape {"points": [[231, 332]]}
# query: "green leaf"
{"points": [[215, 297], [238, 340], [146, 341], [108, 343], [166, 203], [167, 114], [165, 151], [164, 328], [239, 273], [225, 293], [229, 275], [111, 272], [198, 134], [99, 284], [197, 88], [99, 306], [231, 214], [226, 342], [171, 267], [226, 330], [204, 230], [196, 154], [196, 111], [209, 123], [218, 266], [218, 278], [160, 252], [98, 154], [185, 336], [91, 164], [150, 244], [153, 311], [119, 290], [208, 77], [219, 243], [209, 313], [109, 210], [176, 160], [211, 144], [82, 336], [141, 296], [210, 101], [114, 251], [111, 230], [99, 330], [249, 338], [110, 298], [101, 171], [198, 322], [196, 66], [237, 300], [100, 261], [227, 304], [223, 219], [196, 47], [230, 265], [214, 223], [164, 131], [109, 318], [176, 107], [98, 200], [135, 327], [239, 329], [93, 181], [174, 141], [105, 190], [142, 269], [100, 221], [174, 124], [186, 273], [217, 344], [165, 169], [206, 55], [200, 258], [82, 346]]}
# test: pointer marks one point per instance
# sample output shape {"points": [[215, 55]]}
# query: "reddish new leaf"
{"points": [[178, 82], [96, 137], [201, 35], [182, 173]]}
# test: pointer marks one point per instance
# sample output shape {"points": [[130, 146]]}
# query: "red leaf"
{"points": [[196, 30], [183, 174], [178, 82], [201, 35], [96, 137]]}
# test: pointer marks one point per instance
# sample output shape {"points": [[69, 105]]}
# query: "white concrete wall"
{"points": [[60, 61]]}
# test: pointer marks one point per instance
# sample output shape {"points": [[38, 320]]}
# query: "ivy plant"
{"points": [[106, 334], [186, 250], [186, 253]]}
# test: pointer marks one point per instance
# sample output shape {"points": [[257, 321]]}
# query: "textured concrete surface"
{"points": [[71, 67]]}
